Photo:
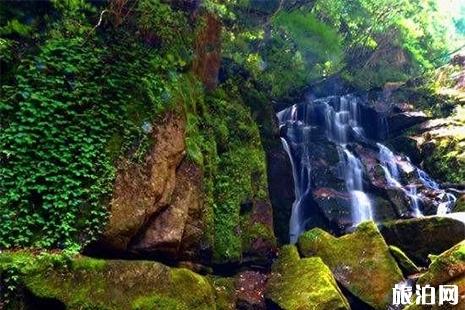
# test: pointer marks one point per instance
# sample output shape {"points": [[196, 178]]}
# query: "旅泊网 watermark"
{"points": [[403, 295]]}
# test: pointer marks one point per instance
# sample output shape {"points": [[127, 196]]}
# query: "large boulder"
{"points": [[82, 282], [141, 191], [419, 237], [179, 230], [306, 283], [360, 261]]}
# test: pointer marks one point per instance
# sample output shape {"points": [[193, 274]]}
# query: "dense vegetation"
{"points": [[83, 81]]}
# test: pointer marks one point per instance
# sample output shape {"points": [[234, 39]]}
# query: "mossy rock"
{"points": [[445, 267], [405, 263], [306, 283], [225, 292], [460, 204], [419, 237], [82, 282], [360, 261]]}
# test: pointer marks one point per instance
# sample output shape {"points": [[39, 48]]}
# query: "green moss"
{"points": [[256, 231], [90, 264], [223, 138], [158, 302], [85, 282], [360, 261], [225, 293], [303, 283], [445, 266], [405, 263]]}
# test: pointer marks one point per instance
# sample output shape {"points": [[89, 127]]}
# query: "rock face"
{"points": [[250, 290], [142, 191], [115, 284], [178, 230], [207, 62], [361, 262], [306, 283], [420, 237], [157, 207], [400, 121]]}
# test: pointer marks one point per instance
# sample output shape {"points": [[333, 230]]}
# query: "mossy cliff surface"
{"points": [[305, 283], [360, 262]]}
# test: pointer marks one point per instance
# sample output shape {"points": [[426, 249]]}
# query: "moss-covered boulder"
{"points": [[306, 283], [360, 261], [82, 282], [419, 237]]}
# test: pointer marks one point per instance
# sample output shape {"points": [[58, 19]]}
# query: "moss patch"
{"points": [[360, 261], [225, 140], [303, 283]]}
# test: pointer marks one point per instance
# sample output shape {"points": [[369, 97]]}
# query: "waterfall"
{"points": [[388, 162], [296, 221], [447, 199], [341, 124], [336, 121]]}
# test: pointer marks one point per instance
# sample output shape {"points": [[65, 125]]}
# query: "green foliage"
{"points": [[302, 49], [165, 27], [77, 104]]}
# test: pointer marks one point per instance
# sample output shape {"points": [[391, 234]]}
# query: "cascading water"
{"points": [[337, 120], [340, 122], [388, 162]]}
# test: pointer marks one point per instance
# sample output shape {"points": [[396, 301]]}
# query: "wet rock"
{"points": [[112, 284], [418, 237], [143, 190], [399, 122], [400, 201], [360, 261], [405, 263], [408, 146], [335, 207], [250, 290], [383, 209], [306, 283], [281, 188]]}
